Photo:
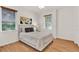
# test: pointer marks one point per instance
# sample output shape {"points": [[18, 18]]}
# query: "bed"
{"points": [[37, 40]]}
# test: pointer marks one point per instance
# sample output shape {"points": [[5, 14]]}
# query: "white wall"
{"points": [[8, 37], [12, 36], [67, 23], [64, 23], [76, 25]]}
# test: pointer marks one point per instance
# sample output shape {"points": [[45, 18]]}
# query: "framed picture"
{"points": [[25, 20]]}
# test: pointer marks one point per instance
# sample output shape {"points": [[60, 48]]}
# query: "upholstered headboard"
{"points": [[26, 28]]}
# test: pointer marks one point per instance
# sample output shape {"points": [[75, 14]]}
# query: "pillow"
{"points": [[29, 29]]}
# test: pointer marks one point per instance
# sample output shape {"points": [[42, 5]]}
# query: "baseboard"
{"points": [[74, 41], [10, 42], [65, 39]]}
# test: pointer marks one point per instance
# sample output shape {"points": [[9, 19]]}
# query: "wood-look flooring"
{"points": [[58, 45]]}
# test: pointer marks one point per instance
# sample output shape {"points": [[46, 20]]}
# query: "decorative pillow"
{"points": [[30, 29]]}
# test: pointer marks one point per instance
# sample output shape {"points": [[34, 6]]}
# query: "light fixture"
{"points": [[41, 7]]}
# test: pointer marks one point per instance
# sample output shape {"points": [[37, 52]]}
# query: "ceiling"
{"points": [[36, 9], [45, 9]]}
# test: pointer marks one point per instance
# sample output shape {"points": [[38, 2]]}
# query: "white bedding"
{"points": [[38, 40], [37, 35]]}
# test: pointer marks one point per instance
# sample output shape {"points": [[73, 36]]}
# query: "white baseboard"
{"points": [[76, 41], [65, 38]]}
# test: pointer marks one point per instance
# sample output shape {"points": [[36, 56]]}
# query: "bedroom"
{"points": [[64, 28]]}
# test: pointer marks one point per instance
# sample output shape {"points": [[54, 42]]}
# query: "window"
{"points": [[48, 22], [8, 19]]}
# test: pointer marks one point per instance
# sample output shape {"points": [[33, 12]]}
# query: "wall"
{"points": [[64, 23], [76, 25], [8, 37], [67, 23]]}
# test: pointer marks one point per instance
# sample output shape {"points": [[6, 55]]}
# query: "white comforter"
{"points": [[38, 40], [37, 35]]}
